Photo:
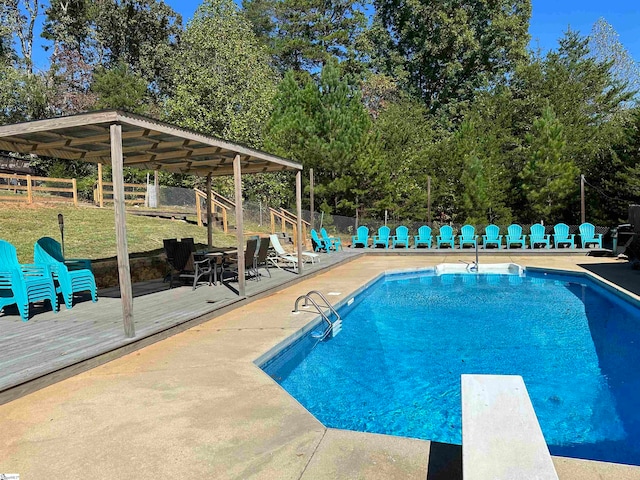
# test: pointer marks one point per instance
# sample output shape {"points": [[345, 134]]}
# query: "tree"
{"points": [[549, 177], [223, 82], [19, 17], [605, 46], [307, 33], [453, 48], [323, 124], [120, 88]]}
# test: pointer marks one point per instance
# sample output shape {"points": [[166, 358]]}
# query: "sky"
{"points": [[549, 19]]}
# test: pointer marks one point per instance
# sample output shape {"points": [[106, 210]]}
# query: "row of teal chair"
{"points": [[49, 275], [469, 238]]}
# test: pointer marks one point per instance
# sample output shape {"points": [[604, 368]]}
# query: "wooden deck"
{"points": [[50, 347]]}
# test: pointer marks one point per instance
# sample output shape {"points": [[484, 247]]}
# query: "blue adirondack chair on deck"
{"points": [[361, 237], [333, 242], [382, 238], [537, 236], [423, 238], [70, 280], [401, 237], [588, 235], [492, 236], [467, 236], [446, 237], [515, 236], [318, 243], [24, 284], [561, 235]]}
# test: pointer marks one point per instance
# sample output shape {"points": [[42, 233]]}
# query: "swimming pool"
{"points": [[395, 367]]}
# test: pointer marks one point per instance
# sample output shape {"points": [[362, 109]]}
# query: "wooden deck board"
{"points": [[49, 342]]}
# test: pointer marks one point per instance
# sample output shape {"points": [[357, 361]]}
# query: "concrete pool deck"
{"points": [[196, 406]]}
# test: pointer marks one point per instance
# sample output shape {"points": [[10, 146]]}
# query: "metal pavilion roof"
{"points": [[146, 143]]}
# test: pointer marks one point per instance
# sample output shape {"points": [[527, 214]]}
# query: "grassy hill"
{"points": [[89, 232]]}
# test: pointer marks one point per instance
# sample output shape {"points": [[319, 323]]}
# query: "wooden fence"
{"points": [[134, 193], [30, 188]]}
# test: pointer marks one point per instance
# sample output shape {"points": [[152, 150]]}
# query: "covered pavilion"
{"points": [[127, 140]]}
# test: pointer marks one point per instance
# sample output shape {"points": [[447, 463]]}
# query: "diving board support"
{"points": [[501, 436]]}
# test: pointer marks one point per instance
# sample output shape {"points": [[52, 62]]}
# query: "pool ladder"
{"points": [[333, 328]]}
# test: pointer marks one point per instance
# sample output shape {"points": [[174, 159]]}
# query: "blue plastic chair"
{"points": [[318, 243], [537, 236], [515, 236], [588, 235], [24, 284], [70, 281], [361, 237], [423, 238], [561, 236], [382, 238], [467, 236], [492, 236], [446, 237], [333, 242], [401, 237]]}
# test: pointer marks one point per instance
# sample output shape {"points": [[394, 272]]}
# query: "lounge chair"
{"points": [[69, 280], [423, 238], [24, 284], [382, 238], [515, 236], [561, 236], [333, 242], [401, 237], [492, 236], [446, 237], [467, 236], [538, 237], [283, 256], [319, 244], [361, 237], [588, 235]]}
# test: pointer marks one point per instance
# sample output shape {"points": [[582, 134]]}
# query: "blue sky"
{"points": [[550, 18]]}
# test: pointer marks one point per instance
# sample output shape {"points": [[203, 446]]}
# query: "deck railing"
{"points": [[219, 205]]}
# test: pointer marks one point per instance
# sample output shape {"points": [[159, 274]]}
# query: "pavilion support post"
{"points": [[209, 213], [237, 181], [124, 274], [100, 185], [299, 219]]}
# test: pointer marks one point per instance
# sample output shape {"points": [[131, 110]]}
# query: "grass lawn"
{"points": [[89, 232]]}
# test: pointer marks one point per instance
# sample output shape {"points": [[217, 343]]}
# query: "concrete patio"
{"points": [[196, 406]]}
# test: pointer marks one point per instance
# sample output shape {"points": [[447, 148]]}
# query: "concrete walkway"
{"points": [[196, 406]]}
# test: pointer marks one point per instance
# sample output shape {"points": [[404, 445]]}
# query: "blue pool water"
{"points": [[395, 367]]}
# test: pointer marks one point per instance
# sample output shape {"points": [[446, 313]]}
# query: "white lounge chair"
{"points": [[289, 257]]}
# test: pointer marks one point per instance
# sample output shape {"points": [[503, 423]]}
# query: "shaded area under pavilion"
{"points": [[127, 140]]}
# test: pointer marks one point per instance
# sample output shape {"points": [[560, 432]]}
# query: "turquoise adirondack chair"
{"points": [[361, 237], [446, 237], [318, 243], [588, 235], [515, 236], [53, 248], [537, 236], [423, 238], [382, 238], [24, 284], [492, 236], [69, 280], [561, 236], [401, 237], [333, 242], [467, 236]]}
